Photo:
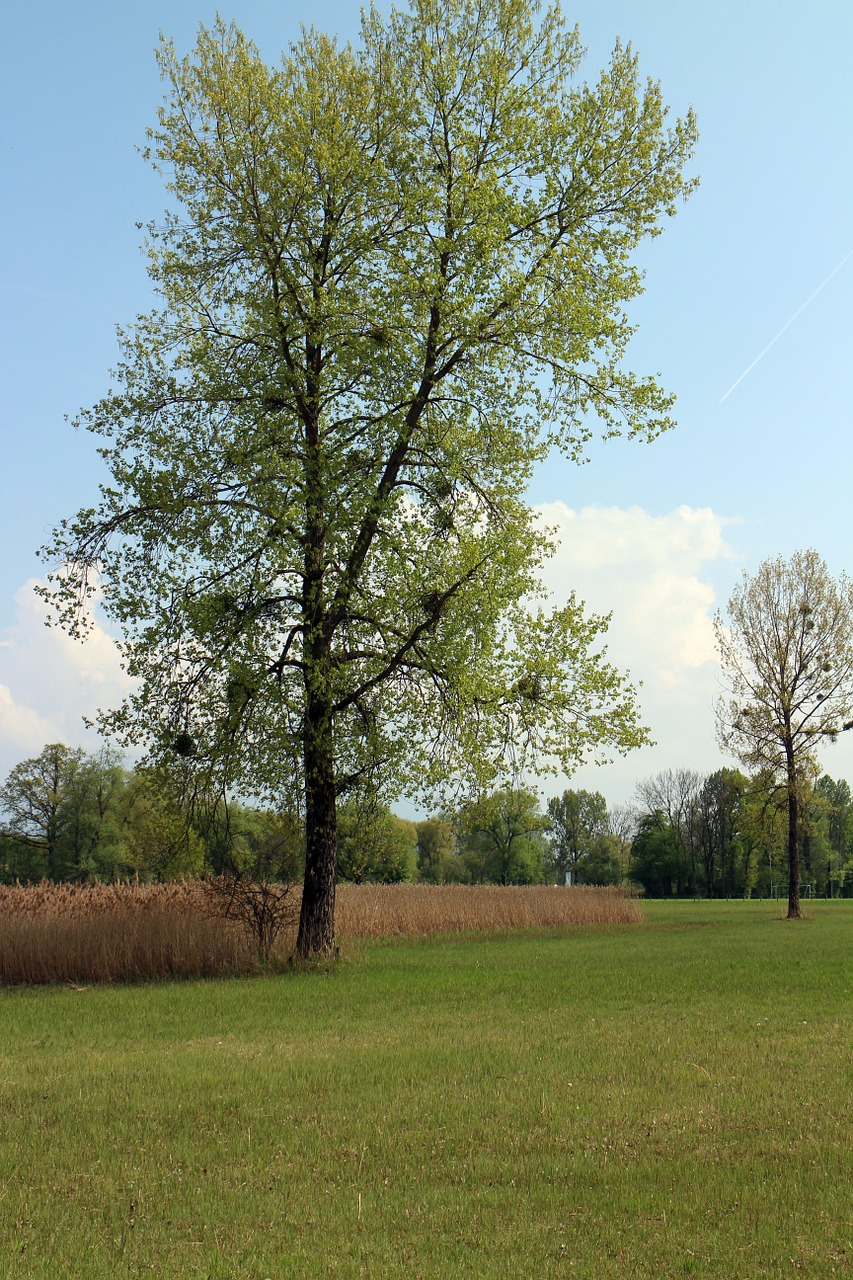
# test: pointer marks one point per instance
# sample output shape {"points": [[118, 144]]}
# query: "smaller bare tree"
{"points": [[675, 793], [259, 857], [264, 909], [787, 653]]}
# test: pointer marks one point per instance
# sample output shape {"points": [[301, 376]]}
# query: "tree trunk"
{"points": [[317, 915], [793, 846]]}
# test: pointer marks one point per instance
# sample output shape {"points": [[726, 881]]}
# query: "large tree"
{"points": [[395, 278], [787, 652]]}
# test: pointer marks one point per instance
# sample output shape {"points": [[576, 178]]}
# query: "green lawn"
{"points": [[672, 1099]]}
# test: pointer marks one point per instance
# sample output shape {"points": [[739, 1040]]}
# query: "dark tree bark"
{"points": [[317, 914], [793, 838], [316, 934]]}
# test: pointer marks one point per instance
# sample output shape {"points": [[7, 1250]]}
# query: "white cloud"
{"points": [[653, 574], [49, 682], [22, 728], [648, 570]]}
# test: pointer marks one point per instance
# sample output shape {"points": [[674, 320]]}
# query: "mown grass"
{"points": [[669, 1099]]}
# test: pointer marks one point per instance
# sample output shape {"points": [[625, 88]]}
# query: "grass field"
{"points": [[667, 1099]]}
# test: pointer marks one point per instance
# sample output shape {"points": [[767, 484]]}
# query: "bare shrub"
{"points": [[264, 909]]}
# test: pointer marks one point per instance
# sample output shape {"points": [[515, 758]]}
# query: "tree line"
{"points": [[726, 835], [69, 815]]}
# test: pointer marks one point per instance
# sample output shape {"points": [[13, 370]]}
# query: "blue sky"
{"points": [[658, 534]]}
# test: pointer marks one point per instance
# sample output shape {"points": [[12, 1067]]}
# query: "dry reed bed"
{"points": [[379, 911], [120, 932], [114, 932]]}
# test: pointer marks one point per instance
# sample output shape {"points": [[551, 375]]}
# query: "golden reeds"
{"points": [[378, 910], [115, 932]]}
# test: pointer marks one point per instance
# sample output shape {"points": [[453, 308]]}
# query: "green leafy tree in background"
{"points": [[69, 815], [622, 822], [815, 850], [437, 859], [92, 815], [395, 278], [839, 830], [601, 864], [675, 793], [63, 814], [159, 843], [31, 799], [502, 837], [787, 652], [763, 829], [718, 835], [375, 845], [578, 821], [657, 862], [246, 841]]}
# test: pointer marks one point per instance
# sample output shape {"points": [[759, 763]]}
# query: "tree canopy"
{"points": [[394, 278], [66, 815]]}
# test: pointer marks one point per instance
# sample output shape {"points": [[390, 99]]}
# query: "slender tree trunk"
{"points": [[55, 860], [793, 844], [317, 915]]}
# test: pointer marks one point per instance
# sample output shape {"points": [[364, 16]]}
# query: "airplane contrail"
{"points": [[788, 324]]}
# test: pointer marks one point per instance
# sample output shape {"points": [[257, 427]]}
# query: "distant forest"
{"points": [[69, 815]]}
